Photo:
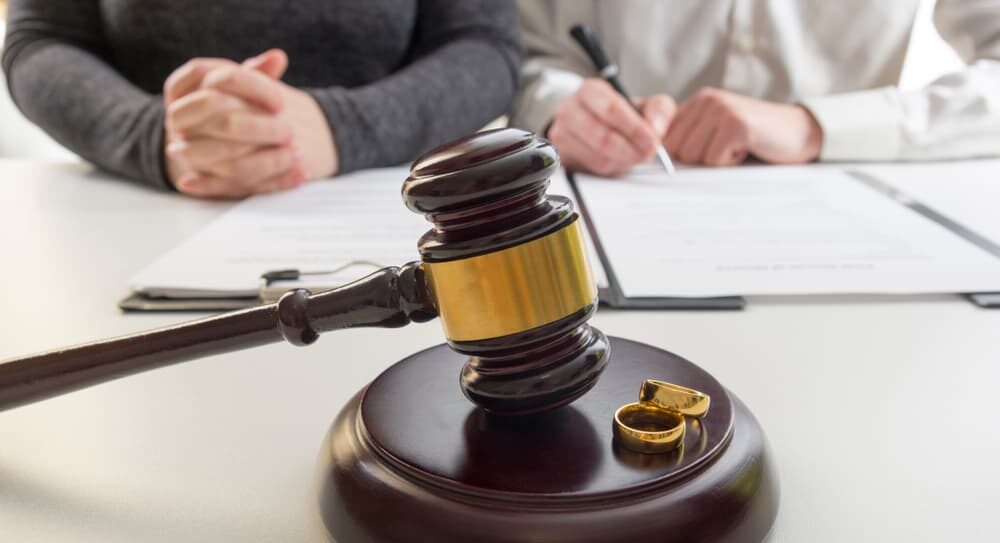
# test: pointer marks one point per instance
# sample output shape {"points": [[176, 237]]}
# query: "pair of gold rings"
{"points": [[656, 423]]}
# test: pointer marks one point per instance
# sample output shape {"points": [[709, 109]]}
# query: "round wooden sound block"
{"points": [[410, 459]]}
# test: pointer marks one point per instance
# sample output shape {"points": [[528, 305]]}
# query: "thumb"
{"points": [[271, 63], [658, 111]]}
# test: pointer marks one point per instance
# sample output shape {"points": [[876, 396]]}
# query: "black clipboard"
{"points": [[613, 296], [267, 292], [986, 300]]}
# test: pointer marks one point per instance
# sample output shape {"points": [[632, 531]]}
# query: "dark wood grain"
{"points": [[410, 459], [485, 193], [390, 297], [482, 193]]}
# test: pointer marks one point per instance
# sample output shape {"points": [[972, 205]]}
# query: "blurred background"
{"points": [[18, 137], [928, 57]]}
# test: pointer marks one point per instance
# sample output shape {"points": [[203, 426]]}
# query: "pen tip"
{"points": [[664, 159]]}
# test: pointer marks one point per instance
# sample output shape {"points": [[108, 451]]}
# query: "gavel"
{"points": [[504, 269]]}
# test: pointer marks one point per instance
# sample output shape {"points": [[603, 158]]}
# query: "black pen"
{"points": [[609, 72]]}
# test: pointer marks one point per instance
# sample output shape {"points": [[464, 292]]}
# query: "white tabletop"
{"points": [[882, 413]]}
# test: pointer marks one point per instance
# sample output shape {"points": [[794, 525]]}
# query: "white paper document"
{"points": [[968, 190], [318, 227], [772, 231], [358, 221], [559, 185]]}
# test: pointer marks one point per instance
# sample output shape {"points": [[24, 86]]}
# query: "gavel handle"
{"points": [[389, 298]]}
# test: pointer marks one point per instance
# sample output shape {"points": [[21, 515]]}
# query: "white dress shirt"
{"points": [[839, 58]]}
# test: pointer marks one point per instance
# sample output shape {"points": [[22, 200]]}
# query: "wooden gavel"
{"points": [[504, 268]]}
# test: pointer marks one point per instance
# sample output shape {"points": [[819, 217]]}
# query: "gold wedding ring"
{"points": [[674, 398], [656, 423], [648, 429]]}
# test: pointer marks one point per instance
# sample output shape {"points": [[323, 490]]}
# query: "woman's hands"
{"points": [[233, 130]]}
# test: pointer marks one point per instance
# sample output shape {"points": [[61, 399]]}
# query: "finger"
{"points": [[598, 135], [242, 127], [658, 111], [729, 146], [210, 186], [188, 77], [200, 106], [200, 154], [249, 85], [272, 63], [683, 123], [693, 148], [597, 96], [258, 165], [290, 179], [579, 155], [571, 150]]}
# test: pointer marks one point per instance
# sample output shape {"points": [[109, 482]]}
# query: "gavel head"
{"points": [[507, 271]]}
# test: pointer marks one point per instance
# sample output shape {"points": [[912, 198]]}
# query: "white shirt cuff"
{"points": [[859, 126], [538, 102]]}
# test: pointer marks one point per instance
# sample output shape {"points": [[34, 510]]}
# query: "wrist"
{"points": [[172, 168], [813, 140], [313, 135]]}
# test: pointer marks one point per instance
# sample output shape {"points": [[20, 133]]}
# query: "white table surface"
{"points": [[882, 413]]}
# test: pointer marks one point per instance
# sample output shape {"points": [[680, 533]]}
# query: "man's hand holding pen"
{"points": [[597, 131]]}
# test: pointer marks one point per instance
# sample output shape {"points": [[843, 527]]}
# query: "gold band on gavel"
{"points": [[514, 289]]}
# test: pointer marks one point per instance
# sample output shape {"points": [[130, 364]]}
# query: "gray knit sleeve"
{"points": [[58, 76], [462, 72]]}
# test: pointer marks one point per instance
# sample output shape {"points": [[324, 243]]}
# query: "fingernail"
{"points": [[175, 148], [188, 180], [659, 124], [254, 58]]}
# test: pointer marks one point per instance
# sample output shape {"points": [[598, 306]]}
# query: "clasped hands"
{"points": [[233, 130], [596, 130]]}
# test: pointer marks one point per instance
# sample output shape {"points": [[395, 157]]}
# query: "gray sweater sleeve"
{"points": [[462, 73], [58, 76]]}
